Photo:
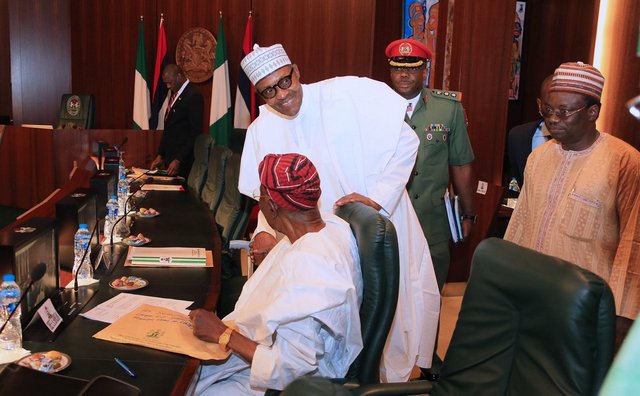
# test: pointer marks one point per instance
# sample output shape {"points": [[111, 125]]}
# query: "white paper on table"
{"points": [[162, 187], [14, 355], [120, 305], [174, 256]]}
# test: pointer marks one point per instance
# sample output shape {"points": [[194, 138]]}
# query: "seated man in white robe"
{"points": [[299, 313]]}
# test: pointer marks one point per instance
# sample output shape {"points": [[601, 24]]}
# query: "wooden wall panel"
{"points": [[40, 59], [26, 169], [34, 162], [554, 32], [620, 67], [334, 39], [481, 73], [75, 145], [5, 60], [388, 27], [104, 41]]}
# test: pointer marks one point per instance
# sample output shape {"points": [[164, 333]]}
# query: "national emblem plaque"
{"points": [[195, 54]]}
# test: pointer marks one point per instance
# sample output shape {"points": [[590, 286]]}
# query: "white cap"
{"points": [[263, 61]]}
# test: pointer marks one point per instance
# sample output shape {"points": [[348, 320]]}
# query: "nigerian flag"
{"points": [[220, 114], [141, 99]]}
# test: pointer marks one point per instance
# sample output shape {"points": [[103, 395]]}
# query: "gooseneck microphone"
{"points": [[124, 141], [36, 274], [126, 212], [86, 251]]}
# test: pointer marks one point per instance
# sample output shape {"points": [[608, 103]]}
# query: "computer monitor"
{"points": [[21, 249], [76, 208]]}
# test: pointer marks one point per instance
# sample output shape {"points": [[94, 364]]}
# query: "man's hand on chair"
{"points": [[355, 197], [260, 246]]}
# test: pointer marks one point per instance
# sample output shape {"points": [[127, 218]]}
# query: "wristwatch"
{"points": [[473, 218], [224, 339]]}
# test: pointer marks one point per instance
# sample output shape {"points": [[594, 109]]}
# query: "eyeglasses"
{"points": [[284, 83], [563, 114]]}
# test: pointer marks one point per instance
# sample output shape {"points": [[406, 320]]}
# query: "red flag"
{"points": [[245, 110], [159, 93]]}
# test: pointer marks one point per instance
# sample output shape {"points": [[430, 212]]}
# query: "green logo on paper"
{"points": [[155, 333]]}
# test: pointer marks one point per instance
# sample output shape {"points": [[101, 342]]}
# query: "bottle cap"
{"points": [[8, 278], [82, 225]]}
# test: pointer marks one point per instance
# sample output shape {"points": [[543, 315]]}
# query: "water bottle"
{"points": [[513, 185], [122, 171], [112, 215], [81, 243], [11, 337], [123, 193]]}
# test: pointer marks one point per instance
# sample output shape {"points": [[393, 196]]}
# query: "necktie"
{"points": [[169, 105], [409, 108]]}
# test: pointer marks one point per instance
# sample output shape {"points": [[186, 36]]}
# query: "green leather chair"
{"points": [[198, 172], [234, 209], [379, 262], [214, 185], [530, 324]]}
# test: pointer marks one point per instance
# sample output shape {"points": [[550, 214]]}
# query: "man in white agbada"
{"points": [[353, 130], [299, 313]]}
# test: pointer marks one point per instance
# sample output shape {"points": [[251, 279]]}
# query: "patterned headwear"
{"points": [[263, 61], [291, 180], [578, 77]]}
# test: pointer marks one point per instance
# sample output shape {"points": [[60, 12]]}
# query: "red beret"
{"points": [[405, 48], [291, 180]]}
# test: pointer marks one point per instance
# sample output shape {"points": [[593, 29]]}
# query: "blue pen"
{"points": [[125, 367]]}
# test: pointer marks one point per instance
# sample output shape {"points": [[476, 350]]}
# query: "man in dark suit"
{"points": [[182, 123], [524, 138]]}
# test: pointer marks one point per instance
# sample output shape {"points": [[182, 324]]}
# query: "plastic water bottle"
{"points": [[112, 215], [11, 337], [122, 171], [513, 185], [123, 193], [81, 243]]}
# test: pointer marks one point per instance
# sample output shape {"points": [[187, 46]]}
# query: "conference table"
{"points": [[184, 221]]}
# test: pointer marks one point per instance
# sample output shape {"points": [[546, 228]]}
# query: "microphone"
{"points": [[126, 212], [86, 251], [124, 141], [36, 274]]}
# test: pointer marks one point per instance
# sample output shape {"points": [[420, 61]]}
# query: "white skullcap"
{"points": [[263, 61]]}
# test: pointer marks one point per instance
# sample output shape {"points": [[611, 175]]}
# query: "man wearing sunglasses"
{"points": [[580, 200], [353, 130]]}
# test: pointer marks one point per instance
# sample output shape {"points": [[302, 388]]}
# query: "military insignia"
{"points": [[438, 128], [444, 138], [405, 49], [429, 136]]}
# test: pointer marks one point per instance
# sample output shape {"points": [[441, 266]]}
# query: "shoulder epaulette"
{"points": [[453, 95]]}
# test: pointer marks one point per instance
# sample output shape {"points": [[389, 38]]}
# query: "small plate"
{"points": [[129, 283], [138, 242], [35, 361], [147, 216]]}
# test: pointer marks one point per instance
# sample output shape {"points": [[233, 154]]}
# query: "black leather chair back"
{"points": [[76, 111], [529, 324], [198, 172], [234, 210], [379, 261], [215, 182]]}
